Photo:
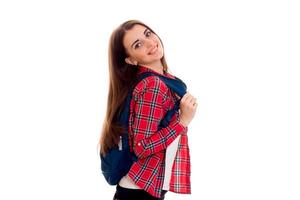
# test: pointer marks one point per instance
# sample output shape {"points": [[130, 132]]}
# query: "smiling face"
{"points": [[143, 47]]}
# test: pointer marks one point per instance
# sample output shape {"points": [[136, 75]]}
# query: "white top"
{"points": [[126, 182], [170, 157]]}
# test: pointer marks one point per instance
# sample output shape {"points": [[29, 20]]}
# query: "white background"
{"points": [[239, 58]]}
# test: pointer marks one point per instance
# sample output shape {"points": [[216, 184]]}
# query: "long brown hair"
{"points": [[121, 79]]}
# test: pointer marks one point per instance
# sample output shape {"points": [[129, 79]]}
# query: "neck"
{"points": [[157, 67]]}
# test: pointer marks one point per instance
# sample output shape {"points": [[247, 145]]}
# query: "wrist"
{"points": [[183, 123]]}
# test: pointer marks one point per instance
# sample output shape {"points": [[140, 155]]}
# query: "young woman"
{"points": [[163, 154]]}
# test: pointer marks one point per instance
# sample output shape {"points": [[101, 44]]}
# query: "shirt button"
{"points": [[139, 144]]}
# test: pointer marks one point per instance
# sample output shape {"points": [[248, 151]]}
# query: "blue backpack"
{"points": [[117, 162]]}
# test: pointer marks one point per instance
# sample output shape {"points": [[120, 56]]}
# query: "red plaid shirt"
{"points": [[150, 102]]}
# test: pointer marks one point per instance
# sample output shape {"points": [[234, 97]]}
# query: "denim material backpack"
{"points": [[117, 162]]}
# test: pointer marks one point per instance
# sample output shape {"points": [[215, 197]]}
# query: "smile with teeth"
{"points": [[153, 50]]}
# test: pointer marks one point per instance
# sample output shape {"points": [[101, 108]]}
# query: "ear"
{"points": [[131, 61]]}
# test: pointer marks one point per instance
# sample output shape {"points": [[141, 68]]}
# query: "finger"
{"points": [[191, 99], [185, 96], [195, 105], [195, 100]]}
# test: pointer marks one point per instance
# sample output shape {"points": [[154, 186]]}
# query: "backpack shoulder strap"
{"points": [[176, 85]]}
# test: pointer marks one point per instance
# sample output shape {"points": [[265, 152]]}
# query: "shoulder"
{"points": [[150, 84]]}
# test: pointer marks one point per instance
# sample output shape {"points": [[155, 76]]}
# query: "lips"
{"points": [[153, 50]]}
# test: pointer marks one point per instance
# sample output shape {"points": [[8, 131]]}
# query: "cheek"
{"points": [[161, 46], [140, 55], [158, 41], [136, 53]]}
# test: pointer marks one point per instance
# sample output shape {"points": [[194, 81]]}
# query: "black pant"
{"points": [[135, 194]]}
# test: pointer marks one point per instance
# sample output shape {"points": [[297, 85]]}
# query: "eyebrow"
{"points": [[138, 39]]}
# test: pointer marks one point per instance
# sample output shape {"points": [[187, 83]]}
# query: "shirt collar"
{"points": [[143, 69]]}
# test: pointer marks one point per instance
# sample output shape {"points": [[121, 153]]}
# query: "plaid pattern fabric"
{"points": [[151, 100]]}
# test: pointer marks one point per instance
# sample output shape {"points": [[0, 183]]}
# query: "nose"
{"points": [[150, 42]]}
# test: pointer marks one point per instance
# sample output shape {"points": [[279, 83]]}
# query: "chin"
{"points": [[160, 54], [160, 57]]}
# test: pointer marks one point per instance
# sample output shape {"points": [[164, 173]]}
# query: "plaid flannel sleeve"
{"points": [[148, 112]]}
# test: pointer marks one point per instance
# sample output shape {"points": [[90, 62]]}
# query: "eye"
{"points": [[137, 45], [148, 34]]}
